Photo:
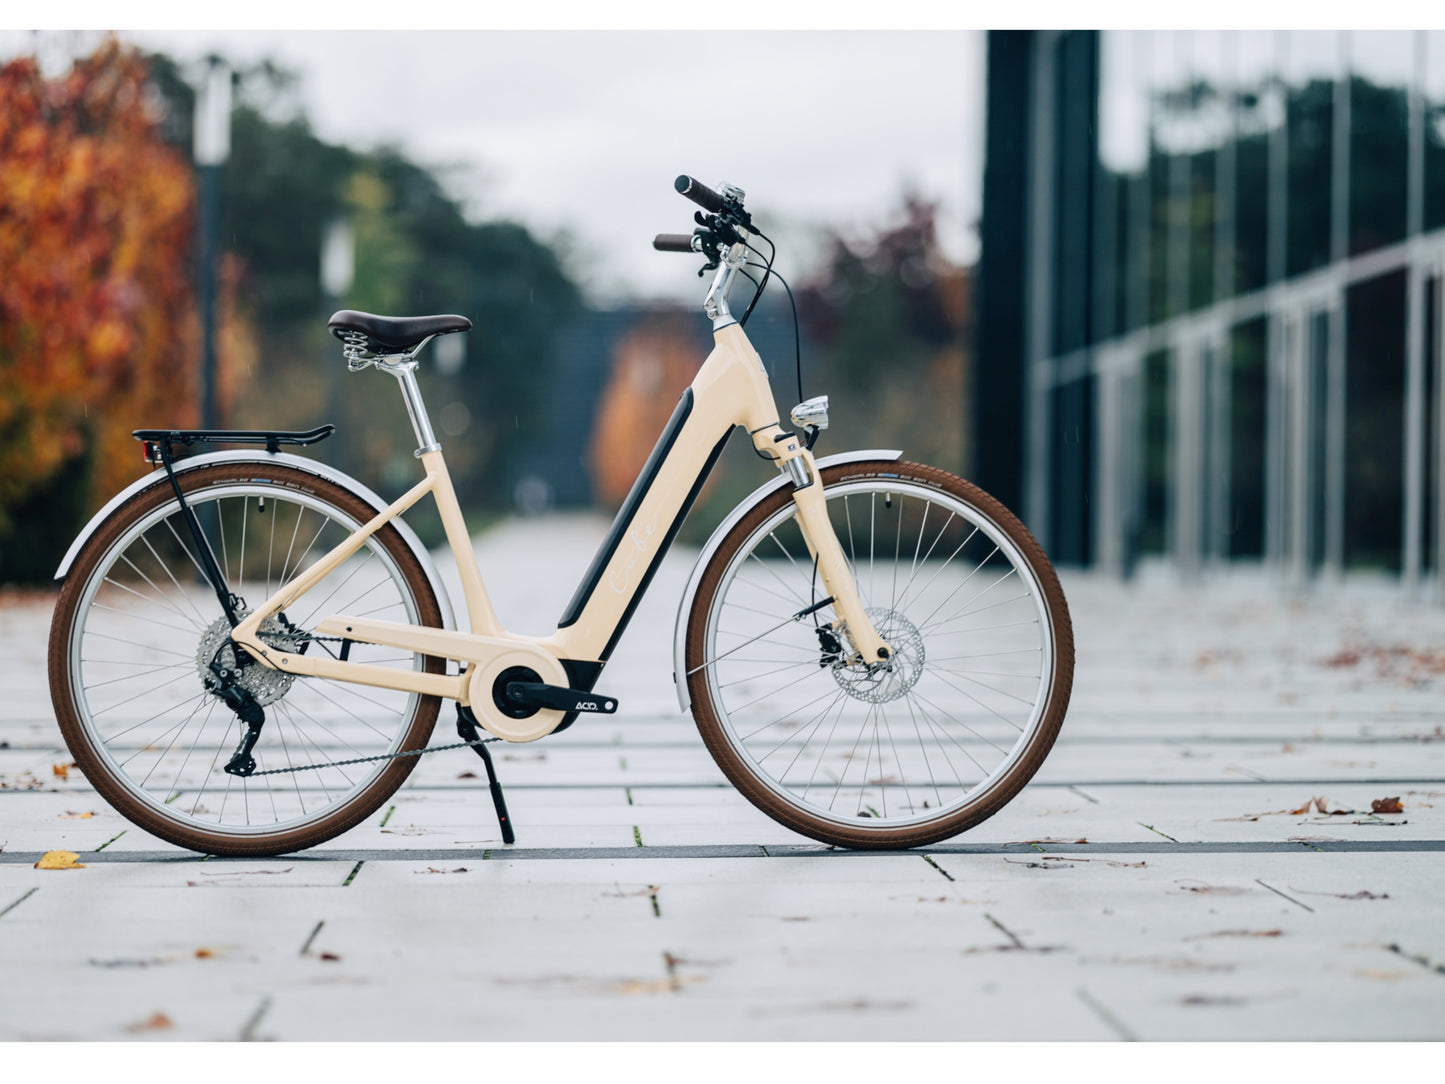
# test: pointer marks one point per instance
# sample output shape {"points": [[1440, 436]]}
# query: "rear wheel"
{"points": [[137, 626], [912, 751]]}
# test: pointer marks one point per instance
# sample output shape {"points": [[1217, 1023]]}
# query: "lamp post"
{"points": [[212, 146], [338, 270]]}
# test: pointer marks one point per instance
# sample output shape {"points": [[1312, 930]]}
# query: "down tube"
{"points": [[642, 532]]}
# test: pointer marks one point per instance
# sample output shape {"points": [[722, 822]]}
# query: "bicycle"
{"points": [[864, 697]]}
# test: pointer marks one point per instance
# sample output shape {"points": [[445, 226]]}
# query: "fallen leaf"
{"points": [[1236, 933], [1270, 813], [648, 890], [1059, 863], [330, 957], [433, 869], [656, 986], [1302, 810], [1205, 999], [59, 860], [158, 1021], [61, 771], [204, 954], [1048, 840], [1211, 890], [69, 816], [467, 775], [1164, 963], [1386, 805]]}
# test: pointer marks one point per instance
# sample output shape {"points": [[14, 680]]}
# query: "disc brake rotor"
{"points": [[884, 681]]}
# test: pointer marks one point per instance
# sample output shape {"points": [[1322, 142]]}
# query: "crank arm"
{"points": [[534, 694]]}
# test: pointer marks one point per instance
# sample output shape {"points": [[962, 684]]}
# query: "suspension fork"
{"points": [[823, 545]]}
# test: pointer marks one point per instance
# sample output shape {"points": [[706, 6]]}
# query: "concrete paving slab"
{"points": [[1177, 919]]}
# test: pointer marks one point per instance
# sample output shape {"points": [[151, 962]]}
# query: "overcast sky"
{"points": [[584, 131]]}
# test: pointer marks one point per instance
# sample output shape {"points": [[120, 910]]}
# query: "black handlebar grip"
{"points": [[699, 193], [673, 242]]}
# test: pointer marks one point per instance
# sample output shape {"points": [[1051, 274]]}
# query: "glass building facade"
{"points": [[1210, 287]]}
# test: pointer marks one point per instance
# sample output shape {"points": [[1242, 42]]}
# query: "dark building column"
{"points": [[1076, 157], [999, 424], [1011, 335]]}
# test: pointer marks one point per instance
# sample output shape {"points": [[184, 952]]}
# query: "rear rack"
{"points": [[158, 442]]}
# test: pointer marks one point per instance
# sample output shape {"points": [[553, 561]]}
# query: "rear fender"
{"points": [[310, 466]]}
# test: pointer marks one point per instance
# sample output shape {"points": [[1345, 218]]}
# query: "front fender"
{"points": [[679, 665], [310, 466]]}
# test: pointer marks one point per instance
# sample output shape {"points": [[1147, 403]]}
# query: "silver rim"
{"points": [[135, 678], [967, 618]]}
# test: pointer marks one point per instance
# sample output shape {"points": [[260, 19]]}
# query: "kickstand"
{"points": [[467, 729]]}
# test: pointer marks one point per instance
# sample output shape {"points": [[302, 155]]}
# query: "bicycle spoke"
{"points": [[171, 576], [759, 677]]}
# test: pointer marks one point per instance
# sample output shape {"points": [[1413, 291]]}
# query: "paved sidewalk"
{"points": [[1151, 883]]}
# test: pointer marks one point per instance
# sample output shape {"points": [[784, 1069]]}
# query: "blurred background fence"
{"points": [[1210, 288]]}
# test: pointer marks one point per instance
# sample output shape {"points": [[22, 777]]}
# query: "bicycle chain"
{"points": [[312, 637], [379, 756]]}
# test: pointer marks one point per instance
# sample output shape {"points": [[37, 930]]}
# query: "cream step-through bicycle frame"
{"points": [[731, 389]]}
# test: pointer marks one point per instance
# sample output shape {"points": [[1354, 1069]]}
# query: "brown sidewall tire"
{"points": [[971, 813], [196, 838]]}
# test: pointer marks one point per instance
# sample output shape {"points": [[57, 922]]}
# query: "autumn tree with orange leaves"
{"points": [[97, 324]]}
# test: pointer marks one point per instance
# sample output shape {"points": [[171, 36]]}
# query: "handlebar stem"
{"points": [[715, 305]]}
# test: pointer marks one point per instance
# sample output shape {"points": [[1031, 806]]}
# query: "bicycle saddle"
{"points": [[395, 332]]}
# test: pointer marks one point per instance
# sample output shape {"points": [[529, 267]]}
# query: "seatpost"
{"points": [[406, 376]]}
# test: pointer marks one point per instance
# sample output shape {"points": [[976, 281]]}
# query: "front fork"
{"points": [[822, 541]]}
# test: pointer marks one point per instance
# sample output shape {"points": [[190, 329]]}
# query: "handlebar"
{"points": [[699, 193], [673, 242]]}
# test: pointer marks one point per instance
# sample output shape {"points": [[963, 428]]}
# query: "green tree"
{"points": [[416, 252]]}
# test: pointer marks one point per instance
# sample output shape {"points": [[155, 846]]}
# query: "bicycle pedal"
{"points": [[534, 694]]}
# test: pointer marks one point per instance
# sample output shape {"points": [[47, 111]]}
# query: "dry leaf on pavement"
{"points": [[1386, 805], [1211, 890], [59, 860], [158, 1021]]}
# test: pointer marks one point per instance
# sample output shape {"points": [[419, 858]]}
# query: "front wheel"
{"points": [[897, 755]]}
